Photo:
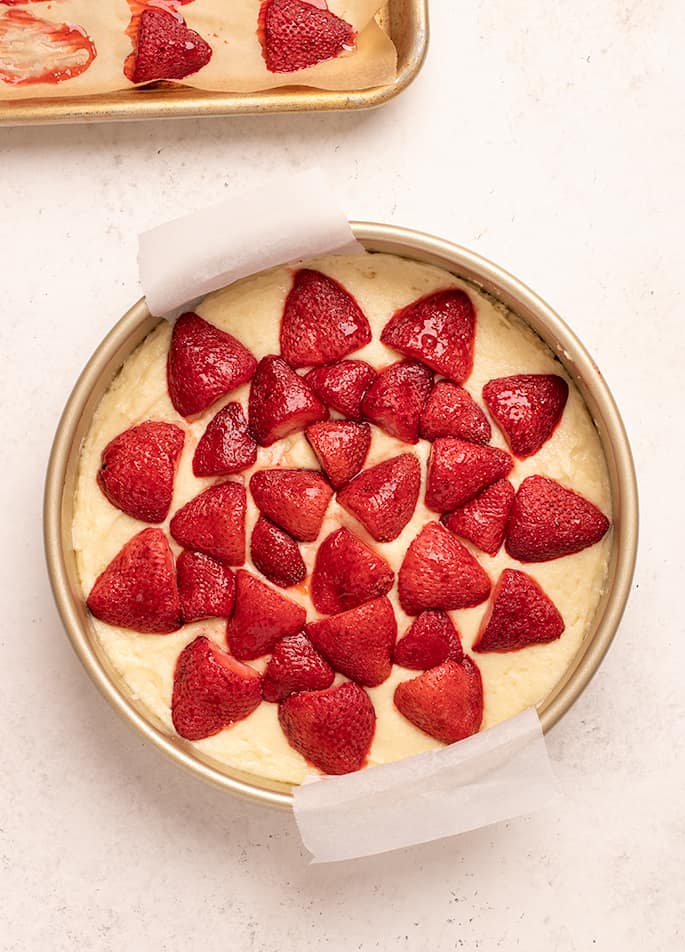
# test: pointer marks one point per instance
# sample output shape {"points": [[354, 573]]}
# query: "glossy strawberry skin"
{"points": [[430, 640], [295, 665], [483, 520], [296, 35], [261, 617], [445, 702], [527, 408], [347, 573], [520, 614], [166, 48], [452, 411], [395, 399], [226, 446], [341, 448], [214, 523], [342, 385], [281, 402], [295, 499], [458, 471], [383, 497], [358, 643], [276, 554], [206, 587]]}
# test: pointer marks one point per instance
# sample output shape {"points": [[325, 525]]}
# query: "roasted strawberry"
{"points": [[41, 51], [346, 573], [439, 330], [445, 702], [206, 587], [211, 690], [395, 399], [226, 446], [458, 471], [276, 554], [295, 665], [138, 590], [430, 640], [296, 34], [519, 615], [295, 499], [439, 572], [452, 411], [342, 386], [483, 521], [138, 468], [165, 48], [262, 616], [333, 729], [527, 409], [214, 523], [281, 402], [341, 448], [358, 643], [203, 364], [548, 521], [383, 497]]}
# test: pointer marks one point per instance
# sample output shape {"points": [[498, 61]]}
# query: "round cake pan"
{"points": [[137, 323]]}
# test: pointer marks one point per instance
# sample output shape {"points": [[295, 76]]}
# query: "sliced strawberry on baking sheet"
{"points": [[341, 448], [206, 587], [346, 573], [214, 523], [321, 321], [358, 643], [383, 497], [137, 590], [164, 47], [137, 469], [295, 34], [295, 665], [281, 402], [211, 690], [261, 617], [452, 411], [445, 702], [342, 386], [430, 640], [483, 520], [520, 614], [439, 572], [276, 554], [33, 50], [295, 499], [395, 399], [527, 409], [458, 471], [226, 446], [548, 521], [203, 364], [439, 330]]}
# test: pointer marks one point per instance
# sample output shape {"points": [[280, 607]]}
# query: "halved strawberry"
{"points": [[203, 364], [281, 402], [395, 399], [341, 386], [295, 665], [41, 51], [262, 616], [138, 467], [276, 554], [439, 330], [430, 640], [452, 411], [346, 573], [295, 499], [211, 690], [458, 471], [226, 446], [483, 521], [549, 521], [358, 643], [296, 34], [527, 409], [214, 523], [165, 48], [138, 590], [439, 572], [519, 615], [321, 321], [445, 702], [206, 587], [383, 497], [341, 448]]}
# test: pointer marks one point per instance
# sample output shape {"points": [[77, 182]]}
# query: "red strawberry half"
{"points": [[383, 497], [359, 642], [341, 386], [203, 364], [527, 409], [395, 399], [214, 523], [138, 468], [431, 639], [281, 402], [346, 573], [262, 616], [452, 411], [439, 572], [138, 590], [211, 690], [295, 35], [295, 665], [206, 587], [483, 521], [445, 702], [439, 330], [226, 446], [520, 615], [458, 471], [276, 554], [295, 499], [321, 321], [341, 448], [165, 48]]}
